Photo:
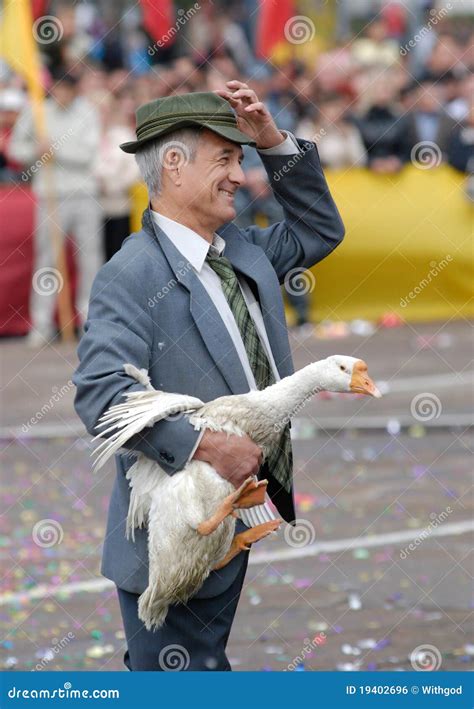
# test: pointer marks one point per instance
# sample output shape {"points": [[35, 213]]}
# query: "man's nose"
{"points": [[237, 175]]}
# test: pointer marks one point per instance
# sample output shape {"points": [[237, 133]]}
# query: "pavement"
{"points": [[377, 573]]}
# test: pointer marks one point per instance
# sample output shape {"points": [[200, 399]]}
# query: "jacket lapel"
{"points": [[203, 311]]}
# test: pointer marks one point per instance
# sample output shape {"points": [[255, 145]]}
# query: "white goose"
{"points": [[194, 511]]}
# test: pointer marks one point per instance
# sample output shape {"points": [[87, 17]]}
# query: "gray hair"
{"points": [[151, 158]]}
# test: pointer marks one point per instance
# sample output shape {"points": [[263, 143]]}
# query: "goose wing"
{"points": [[140, 409]]}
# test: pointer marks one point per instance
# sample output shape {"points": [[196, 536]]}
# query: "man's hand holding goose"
{"points": [[235, 458]]}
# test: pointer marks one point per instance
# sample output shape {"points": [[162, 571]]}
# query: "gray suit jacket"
{"points": [[149, 308]]}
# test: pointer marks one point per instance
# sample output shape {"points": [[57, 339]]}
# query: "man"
{"points": [[67, 197], [383, 129], [428, 121], [196, 302]]}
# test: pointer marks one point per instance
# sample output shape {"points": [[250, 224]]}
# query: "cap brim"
{"points": [[228, 132]]}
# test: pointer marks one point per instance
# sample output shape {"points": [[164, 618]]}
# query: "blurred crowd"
{"points": [[368, 99]]}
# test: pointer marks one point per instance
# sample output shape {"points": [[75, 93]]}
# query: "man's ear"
{"points": [[173, 166], [172, 163]]}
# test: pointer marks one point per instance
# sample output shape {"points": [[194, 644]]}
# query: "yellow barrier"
{"points": [[408, 247], [139, 203]]}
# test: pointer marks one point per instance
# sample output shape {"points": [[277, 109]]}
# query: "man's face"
{"points": [[429, 98], [209, 184], [63, 93]]}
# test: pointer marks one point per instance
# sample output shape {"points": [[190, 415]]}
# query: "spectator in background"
{"points": [[451, 85], [231, 34], [11, 103], [383, 130], [375, 47], [339, 141], [461, 150], [458, 107], [93, 82], [137, 58], [116, 171], [423, 46], [280, 97], [447, 55], [428, 121], [70, 147], [334, 70], [72, 43], [219, 35]]}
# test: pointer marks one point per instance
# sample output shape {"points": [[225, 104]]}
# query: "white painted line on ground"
{"points": [[280, 554], [376, 540], [68, 429]]}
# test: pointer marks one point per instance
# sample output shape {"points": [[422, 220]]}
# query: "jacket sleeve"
{"points": [[118, 330], [312, 226]]}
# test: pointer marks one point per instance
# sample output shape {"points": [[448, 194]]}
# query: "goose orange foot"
{"points": [[250, 493], [253, 493], [242, 541]]}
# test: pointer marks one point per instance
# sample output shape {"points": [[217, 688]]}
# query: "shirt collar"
{"points": [[191, 245]]}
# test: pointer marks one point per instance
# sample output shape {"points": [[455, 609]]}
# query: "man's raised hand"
{"points": [[253, 117]]}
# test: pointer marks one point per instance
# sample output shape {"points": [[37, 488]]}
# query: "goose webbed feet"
{"points": [[242, 541], [250, 493]]}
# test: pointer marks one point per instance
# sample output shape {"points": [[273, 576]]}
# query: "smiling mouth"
{"points": [[228, 194]]}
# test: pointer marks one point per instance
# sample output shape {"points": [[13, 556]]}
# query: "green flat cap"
{"points": [[202, 109]]}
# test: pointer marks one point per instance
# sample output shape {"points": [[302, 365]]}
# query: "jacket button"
{"points": [[164, 455]]}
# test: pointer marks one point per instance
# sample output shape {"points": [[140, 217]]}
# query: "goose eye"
{"points": [[342, 368]]}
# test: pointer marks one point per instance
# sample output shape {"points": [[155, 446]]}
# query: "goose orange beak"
{"points": [[361, 383]]}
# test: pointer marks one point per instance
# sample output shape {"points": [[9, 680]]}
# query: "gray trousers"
{"points": [[79, 216], [193, 637]]}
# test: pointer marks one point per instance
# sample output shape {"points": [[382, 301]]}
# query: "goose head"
{"points": [[341, 373]]}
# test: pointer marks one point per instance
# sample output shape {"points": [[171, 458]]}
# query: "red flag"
{"points": [[272, 18], [158, 18], [38, 8]]}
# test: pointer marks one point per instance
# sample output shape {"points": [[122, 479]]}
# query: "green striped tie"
{"points": [[280, 460]]}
